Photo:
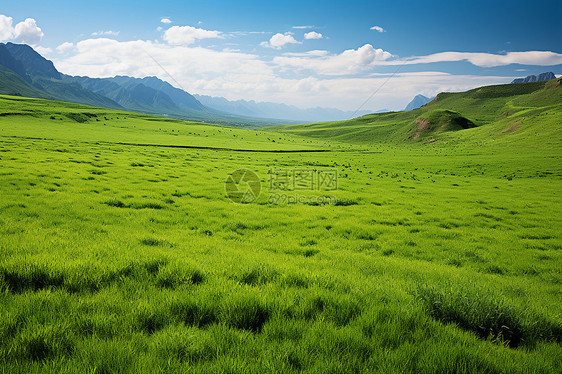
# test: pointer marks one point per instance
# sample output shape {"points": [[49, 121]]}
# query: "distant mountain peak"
{"points": [[536, 78], [33, 62], [418, 101]]}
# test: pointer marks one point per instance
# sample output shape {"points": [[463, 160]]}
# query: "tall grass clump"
{"points": [[194, 312], [41, 342], [258, 275], [488, 317], [244, 312], [174, 276]]}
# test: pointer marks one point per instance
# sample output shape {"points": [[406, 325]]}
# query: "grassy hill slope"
{"points": [[59, 120], [505, 108], [12, 84]]}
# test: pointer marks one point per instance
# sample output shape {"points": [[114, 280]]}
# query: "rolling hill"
{"points": [[524, 107], [13, 84]]}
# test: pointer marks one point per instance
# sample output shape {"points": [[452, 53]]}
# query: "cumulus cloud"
{"points": [[352, 61], [186, 35], [313, 35], [6, 28], [28, 32], [24, 32], [279, 40], [166, 20], [103, 57], [378, 28], [106, 33]]}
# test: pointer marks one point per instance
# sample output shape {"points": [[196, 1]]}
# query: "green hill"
{"points": [[492, 109], [13, 84], [436, 121]]}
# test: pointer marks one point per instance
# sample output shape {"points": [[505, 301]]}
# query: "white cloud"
{"points": [[166, 20], [186, 35], [25, 32], [43, 51], [104, 57], [6, 28], [313, 35], [106, 33], [313, 53], [303, 27], [352, 61], [244, 33], [65, 47], [279, 40], [378, 28], [539, 58]]}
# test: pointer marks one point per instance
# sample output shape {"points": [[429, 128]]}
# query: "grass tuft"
{"points": [[152, 242], [194, 312], [346, 202], [116, 203], [244, 312], [43, 342], [259, 275], [150, 320], [476, 312], [173, 277]]}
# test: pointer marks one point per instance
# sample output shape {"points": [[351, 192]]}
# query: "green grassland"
{"points": [[530, 107], [443, 253]]}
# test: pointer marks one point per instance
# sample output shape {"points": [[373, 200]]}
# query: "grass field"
{"points": [[438, 257]]}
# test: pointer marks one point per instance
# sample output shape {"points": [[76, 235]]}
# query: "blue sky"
{"points": [[305, 53]]}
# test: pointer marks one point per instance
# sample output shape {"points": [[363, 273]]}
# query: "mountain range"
{"points": [[275, 110], [25, 72], [536, 78]]}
